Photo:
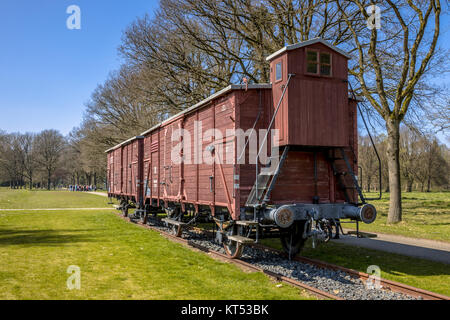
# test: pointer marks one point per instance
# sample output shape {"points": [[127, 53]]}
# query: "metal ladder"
{"points": [[341, 174], [265, 180]]}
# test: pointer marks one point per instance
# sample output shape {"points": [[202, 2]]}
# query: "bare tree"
{"points": [[439, 114], [49, 146], [28, 156], [368, 162], [392, 64], [409, 155], [12, 159]]}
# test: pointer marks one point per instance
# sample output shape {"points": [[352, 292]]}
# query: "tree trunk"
{"points": [[48, 181], [31, 183], [393, 147], [409, 186]]}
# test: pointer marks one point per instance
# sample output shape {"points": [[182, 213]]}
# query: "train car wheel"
{"points": [[232, 248], [292, 239]]}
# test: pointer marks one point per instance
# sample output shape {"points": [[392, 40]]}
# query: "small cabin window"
{"points": [[325, 64], [318, 63], [312, 62], [278, 72]]}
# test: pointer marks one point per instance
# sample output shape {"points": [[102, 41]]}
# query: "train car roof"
{"points": [[209, 99], [307, 43], [195, 107], [124, 143]]}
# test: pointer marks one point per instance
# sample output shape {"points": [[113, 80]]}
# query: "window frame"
{"points": [[317, 73], [281, 69], [318, 63], [326, 64]]}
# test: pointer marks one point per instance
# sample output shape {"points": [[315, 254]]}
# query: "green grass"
{"points": [[424, 274], [118, 260], [26, 199], [425, 215]]}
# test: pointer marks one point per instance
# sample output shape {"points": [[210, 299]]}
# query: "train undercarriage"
{"points": [[292, 224]]}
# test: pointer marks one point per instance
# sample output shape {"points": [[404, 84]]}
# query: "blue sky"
{"points": [[48, 72]]}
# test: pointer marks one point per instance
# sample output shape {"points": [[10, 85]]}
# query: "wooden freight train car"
{"points": [[260, 160]]}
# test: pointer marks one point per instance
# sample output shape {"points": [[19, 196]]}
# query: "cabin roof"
{"points": [[305, 44]]}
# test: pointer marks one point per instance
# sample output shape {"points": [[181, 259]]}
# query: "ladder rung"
{"points": [[174, 222], [246, 223], [240, 239]]}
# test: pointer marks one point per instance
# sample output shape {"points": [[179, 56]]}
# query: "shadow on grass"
{"points": [[438, 224], [46, 237]]}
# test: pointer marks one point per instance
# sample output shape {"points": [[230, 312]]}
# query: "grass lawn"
{"points": [[26, 199], [118, 260], [428, 275], [425, 215]]}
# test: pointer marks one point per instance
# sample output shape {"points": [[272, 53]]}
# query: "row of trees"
{"points": [[424, 162], [47, 159]]}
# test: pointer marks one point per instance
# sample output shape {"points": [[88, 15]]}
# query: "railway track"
{"points": [[321, 279], [385, 284]]}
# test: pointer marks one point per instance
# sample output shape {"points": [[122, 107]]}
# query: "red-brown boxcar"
{"points": [[259, 160], [124, 172]]}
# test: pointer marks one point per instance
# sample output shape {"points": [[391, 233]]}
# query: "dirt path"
{"points": [[433, 250], [99, 194]]}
